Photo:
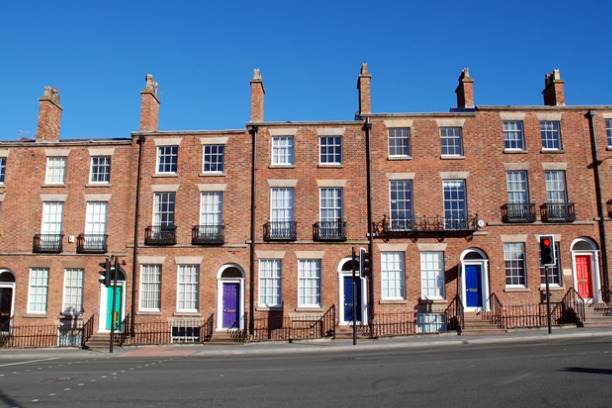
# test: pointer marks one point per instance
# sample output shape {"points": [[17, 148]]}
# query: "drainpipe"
{"points": [[140, 141], [368, 130], [253, 132], [600, 208]]}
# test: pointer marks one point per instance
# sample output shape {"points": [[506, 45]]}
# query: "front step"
{"points": [[228, 338], [597, 315], [101, 341], [346, 332], [473, 323]]}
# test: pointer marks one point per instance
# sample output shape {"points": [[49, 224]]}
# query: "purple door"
{"points": [[473, 286], [230, 305]]}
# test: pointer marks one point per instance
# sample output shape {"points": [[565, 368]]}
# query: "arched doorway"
{"points": [[107, 294], [230, 298], [345, 294], [474, 280], [585, 260], [7, 299]]}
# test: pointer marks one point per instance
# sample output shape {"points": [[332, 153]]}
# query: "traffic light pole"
{"points": [[547, 272], [113, 311], [354, 306]]}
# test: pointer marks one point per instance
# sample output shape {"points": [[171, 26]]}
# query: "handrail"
{"points": [[88, 328], [573, 303], [455, 311], [496, 308]]}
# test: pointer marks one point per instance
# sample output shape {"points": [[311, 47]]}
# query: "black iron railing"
{"points": [[49, 243], [160, 235], [280, 231], [558, 212], [425, 227], [454, 315], [91, 243], [518, 212], [329, 230], [207, 234], [570, 310]]}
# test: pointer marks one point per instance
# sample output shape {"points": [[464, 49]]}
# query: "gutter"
{"points": [[253, 131], [140, 141]]}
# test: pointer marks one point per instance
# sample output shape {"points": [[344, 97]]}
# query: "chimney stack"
{"points": [[363, 85], [465, 90], [553, 92], [49, 116], [257, 97], [149, 106]]}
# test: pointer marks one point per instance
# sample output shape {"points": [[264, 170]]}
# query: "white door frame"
{"points": [[364, 294], [484, 279], [594, 260], [9, 285], [220, 281], [103, 304]]}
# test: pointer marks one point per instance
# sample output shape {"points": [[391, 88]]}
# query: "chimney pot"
{"points": [[363, 86], [257, 97], [149, 106]]}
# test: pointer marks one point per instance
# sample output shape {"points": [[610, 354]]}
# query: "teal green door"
{"points": [[109, 306]]}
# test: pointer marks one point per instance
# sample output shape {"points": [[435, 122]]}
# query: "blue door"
{"points": [[230, 305], [348, 299], [473, 286]]}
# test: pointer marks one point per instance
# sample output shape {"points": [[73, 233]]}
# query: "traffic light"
{"points": [[364, 263], [106, 271], [547, 250]]}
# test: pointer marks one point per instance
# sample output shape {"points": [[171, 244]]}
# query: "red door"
{"points": [[583, 276]]}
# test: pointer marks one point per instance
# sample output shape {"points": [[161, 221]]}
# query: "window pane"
{"points": [[392, 268], [73, 292], [282, 150], [39, 284], [211, 208], [513, 135], [56, 170], [514, 264], [100, 169], [150, 287], [270, 283], [609, 131], [452, 141], [213, 158], [517, 187], [167, 159], [163, 215], [330, 150], [432, 275], [2, 169], [309, 283], [455, 204], [399, 142], [188, 288], [551, 136], [401, 204]]}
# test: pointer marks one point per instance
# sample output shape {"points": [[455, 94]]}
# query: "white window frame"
{"points": [[213, 158], [399, 142], [38, 291], [393, 275], [188, 288], [73, 292], [270, 283], [331, 204], [401, 205], [96, 218], [432, 275], [309, 283], [515, 267], [455, 203], [2, 169], [550, 133], [281, 204], [56, 170], [164, 217], [100, 170], [451, 141], [167, 159], [52, 217], [330, 150], [514, 137], [609, 132], [150, 288], [556, 187], [283, 151], [517, 186], [211, 208]]}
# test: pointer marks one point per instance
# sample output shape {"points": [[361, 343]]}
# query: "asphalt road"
{"points": [[560, 373]]}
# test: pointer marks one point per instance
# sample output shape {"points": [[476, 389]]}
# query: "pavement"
{"points": [[14, 356]]}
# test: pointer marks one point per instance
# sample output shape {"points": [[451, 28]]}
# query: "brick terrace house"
{"points": [[251, 231]]}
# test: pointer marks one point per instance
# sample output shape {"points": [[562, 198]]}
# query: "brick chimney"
{"points": [[49, 116], [363, 85], [149, 106], [465, 90], [257, 97], [553, 92]]}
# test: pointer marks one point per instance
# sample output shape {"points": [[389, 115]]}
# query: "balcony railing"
{"points": [[207, 234], [160, 235], [50, 243], [518, 212], [425, 227], [558, 212], [280, 231], [91, 243], [329, 230]]}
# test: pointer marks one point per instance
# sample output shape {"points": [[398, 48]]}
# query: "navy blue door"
{"points": [[473, 286], [348, 299]]}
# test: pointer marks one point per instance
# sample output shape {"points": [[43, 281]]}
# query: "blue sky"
{"points": [[203, 54]]}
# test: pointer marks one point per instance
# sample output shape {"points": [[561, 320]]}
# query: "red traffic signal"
{"points": [[547, 250]]}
